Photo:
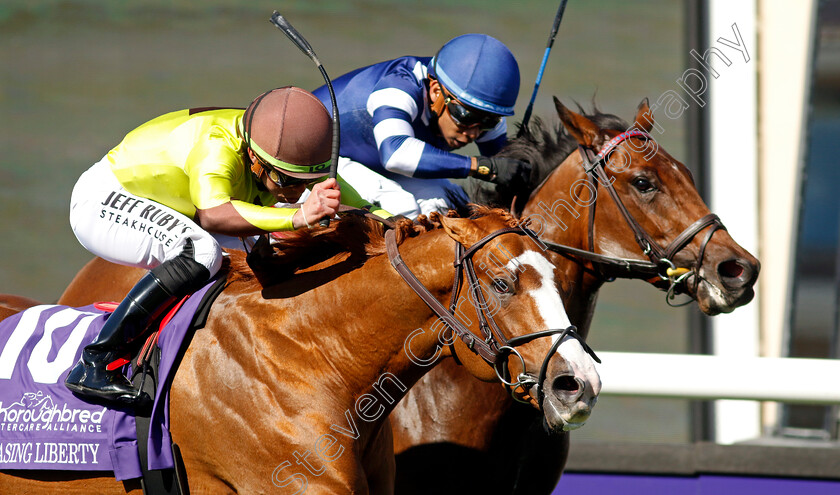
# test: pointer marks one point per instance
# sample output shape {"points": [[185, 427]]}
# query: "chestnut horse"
{"points": [[15, 303], [290, 384], [432, 430]]}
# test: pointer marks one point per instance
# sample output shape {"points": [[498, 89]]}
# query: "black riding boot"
{"points": [[90, 377], [152, 295]]}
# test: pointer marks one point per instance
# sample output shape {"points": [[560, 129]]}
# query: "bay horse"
{"points": [[434, 431], [592, 241], [290, 383]]}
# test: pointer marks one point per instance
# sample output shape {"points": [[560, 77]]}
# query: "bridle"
{"points": [[661, 258], [494, 348]]}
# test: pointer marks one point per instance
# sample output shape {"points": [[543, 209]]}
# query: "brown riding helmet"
{"points": [[290, 129]]}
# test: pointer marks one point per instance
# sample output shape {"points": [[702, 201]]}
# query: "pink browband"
{"points": [[618, 139]]}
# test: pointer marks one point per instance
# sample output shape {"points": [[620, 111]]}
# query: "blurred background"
{"points": [[77, 75]]}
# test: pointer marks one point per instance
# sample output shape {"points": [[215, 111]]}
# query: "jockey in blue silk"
{"points": [[401, 119]]}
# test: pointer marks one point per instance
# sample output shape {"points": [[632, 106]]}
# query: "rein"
{"points": [[609, 267], [660, 263], [495, 348]]}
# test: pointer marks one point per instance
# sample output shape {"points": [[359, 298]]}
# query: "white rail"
{"points": [[689, 376]]}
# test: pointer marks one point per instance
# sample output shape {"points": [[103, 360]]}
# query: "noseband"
{"points": [[494, 347], [661, 259]]}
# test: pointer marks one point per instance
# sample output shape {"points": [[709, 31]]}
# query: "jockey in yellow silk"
{"points": [[179, 188]]}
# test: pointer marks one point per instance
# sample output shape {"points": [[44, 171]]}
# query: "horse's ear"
{"points": [[644, 117], [582, 129], [460, 229]]}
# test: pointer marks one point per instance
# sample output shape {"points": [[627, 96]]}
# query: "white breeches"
{"points": [[401, 195], [123, 228]]}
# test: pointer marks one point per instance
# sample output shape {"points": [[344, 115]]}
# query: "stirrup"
{"points": [[138, 399], [129, 396]]}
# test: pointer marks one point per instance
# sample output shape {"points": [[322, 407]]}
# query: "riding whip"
{"points": [[293, 34], [557, 18]]}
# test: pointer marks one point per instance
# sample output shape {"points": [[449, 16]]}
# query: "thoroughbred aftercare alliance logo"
{"points": [[42, 424], [37, 412]]}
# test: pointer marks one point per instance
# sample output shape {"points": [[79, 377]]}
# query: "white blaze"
{"points": [[553, 313]]}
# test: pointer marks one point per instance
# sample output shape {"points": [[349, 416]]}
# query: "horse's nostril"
{"points": [[565, 384], [730, 269]]}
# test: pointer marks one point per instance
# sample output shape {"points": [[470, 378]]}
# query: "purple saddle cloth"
{"points": [[44, 426]]}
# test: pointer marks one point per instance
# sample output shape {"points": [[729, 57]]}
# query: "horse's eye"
{"points": [[642, 184], [502, 286]]}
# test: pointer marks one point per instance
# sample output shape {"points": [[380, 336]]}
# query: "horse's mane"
{"points": [[545, 146], [353, 237]]}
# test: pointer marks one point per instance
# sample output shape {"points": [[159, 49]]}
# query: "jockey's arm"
{"points": [[228, 201], [401, 152], [394, 105], [238, 218], [412, 157], [226, 196]]}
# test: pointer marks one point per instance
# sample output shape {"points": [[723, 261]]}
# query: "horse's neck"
{"points": [[413, 327], [578, 287], [357, 326]]}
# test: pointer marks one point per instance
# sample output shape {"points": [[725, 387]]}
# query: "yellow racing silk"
{"points": [[196, 159]]}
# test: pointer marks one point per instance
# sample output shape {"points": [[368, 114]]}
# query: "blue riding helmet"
{"points": [[480, 71]]}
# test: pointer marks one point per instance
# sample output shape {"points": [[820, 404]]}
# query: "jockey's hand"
{"points": [[323, 201], [506, 172]]}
